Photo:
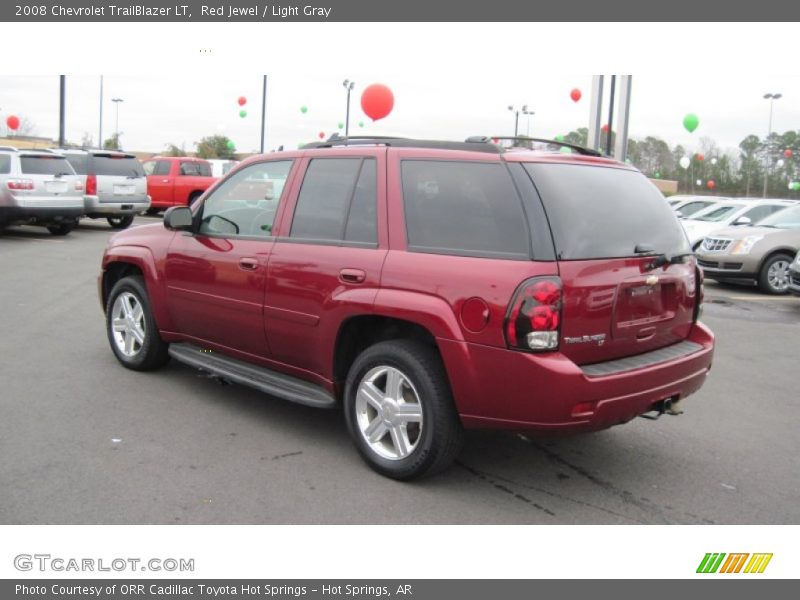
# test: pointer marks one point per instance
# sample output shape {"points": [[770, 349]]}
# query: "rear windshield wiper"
{"points": [[663, 259]]}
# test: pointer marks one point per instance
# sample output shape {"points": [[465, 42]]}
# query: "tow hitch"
{"points": [[669, 406]]}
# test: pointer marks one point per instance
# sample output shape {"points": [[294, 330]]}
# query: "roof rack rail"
{"points": [[337, 140], [8, 148], [522, 138]]}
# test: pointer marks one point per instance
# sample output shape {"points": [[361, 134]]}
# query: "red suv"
{"points": [[425, 286]]}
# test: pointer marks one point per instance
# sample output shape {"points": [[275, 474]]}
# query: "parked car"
{"points": [[221, 167], [39, 188], [116, 187], [729, 213], [426, 287], [686, 206], [794, 275], [759, 253], [176, 181]]}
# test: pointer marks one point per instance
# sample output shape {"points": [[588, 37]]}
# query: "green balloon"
{"points": [[304, 109], [565, 150], [797, 185], [690, 122], [243, 113], [231, 145], [658, 175], [559, 138], [361, 123], [341, 125]]}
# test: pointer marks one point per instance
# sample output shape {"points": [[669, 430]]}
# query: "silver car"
{"points": [[39, 188], [116, 186]]}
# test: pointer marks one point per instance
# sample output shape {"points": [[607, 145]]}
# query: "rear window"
{"points": [[5, 163], [126, 166], [201, 169], [464, 208], [788, 218], [603, 212], [79, 162], [45, 165]]}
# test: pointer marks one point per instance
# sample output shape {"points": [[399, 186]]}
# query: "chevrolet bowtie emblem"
{"points": [[651, 280]]}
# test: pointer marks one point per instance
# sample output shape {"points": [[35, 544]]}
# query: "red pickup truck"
{"points": [[176, 181]]}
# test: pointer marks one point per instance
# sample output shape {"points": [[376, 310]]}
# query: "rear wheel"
{"points": [[400, 412], [120, 222], [131, 327], [62, 228], [774, 275]]}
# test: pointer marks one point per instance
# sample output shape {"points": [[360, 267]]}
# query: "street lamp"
{"points": [[116, 102], [348, 85], [529, 113], [771, 98], [524, 110]]}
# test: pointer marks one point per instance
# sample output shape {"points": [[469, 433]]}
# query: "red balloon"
{"points": [[787, 153], [242, 101], [13, 122], [575, 95], [321, 135], [711, 185], [604, 128], [699, 157], [377, 101]]}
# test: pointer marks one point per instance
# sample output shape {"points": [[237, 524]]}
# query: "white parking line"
{"points": [[762, 297]]}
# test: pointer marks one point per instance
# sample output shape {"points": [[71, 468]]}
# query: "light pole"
{"points": [[116, 102], [529, 113], [348, 85], [516, 119], [771, 98]]}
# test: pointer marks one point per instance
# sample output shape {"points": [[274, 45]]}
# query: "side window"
{"points": [[463, 208], [162, 167], [245, 204], [148, 166], [188, 168], [5, 163], [337, 201]]}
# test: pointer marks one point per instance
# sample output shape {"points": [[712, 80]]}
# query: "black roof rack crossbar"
{"points": [[337, 140], [522, 138]]}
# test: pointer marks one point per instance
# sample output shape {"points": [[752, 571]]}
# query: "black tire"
{"points": [[766, 283], [153, 352], [152, 211], [62, 228], [120, 222], [441, 435]]}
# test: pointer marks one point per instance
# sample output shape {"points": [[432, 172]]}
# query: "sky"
{"points": [[174, 93]]}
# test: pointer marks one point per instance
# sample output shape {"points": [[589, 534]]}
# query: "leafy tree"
{"points": [[214, 146], [173, 150], [750, 168], [579, 137], [87, 141], [112, 143]]}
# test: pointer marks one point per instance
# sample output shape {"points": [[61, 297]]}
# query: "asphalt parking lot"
{"points": [[83, 440]]}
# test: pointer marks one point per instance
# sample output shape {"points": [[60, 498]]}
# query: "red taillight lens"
{"points": [[91, 185], [20, 184], [534, 316]]}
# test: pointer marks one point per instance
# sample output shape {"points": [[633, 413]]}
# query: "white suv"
{"points": [[39, 188]]}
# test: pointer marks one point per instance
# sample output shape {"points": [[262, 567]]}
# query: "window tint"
{"points": [[718, 214], [79, 162], [245, 204], [761, 212], [692, 207], [121, 166], [45, 165], [162, 167], [202, 169], [468, 208], [5, 163], [788, 218], [603, 212], [362, 221], [325, 198]]}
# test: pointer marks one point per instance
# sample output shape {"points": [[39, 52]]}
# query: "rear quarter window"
{"points": [[604, 212], [5, 163], [463, 208]]}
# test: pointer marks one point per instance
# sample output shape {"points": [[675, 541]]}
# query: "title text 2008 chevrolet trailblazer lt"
{"points": [[426, 287]]}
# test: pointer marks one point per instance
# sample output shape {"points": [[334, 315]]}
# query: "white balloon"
{"points": [[699, 182], [713, 161], [780, 163], [791, 185], [684, 162]]}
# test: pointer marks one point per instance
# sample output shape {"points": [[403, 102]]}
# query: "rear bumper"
{"points": [[500, 388], [39, 214], [134, 205]]}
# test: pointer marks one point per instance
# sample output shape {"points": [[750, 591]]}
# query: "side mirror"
{"points": [[743, 221], [178, 218]]}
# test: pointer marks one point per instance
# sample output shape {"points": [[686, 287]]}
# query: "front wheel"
{"points": [[774, 275], [400, 412], [120, 222], [131, 328]]}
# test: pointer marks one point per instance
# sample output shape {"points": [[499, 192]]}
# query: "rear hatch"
{"points": [[609, 225], [119, 177], [54, 182]]}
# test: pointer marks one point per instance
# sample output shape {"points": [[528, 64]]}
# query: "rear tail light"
{"points": [[20, 184], [91, 185], [534, 316]]}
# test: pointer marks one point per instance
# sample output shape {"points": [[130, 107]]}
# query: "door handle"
{"points": [[248, 264], [165, 181], [352, 275]]}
